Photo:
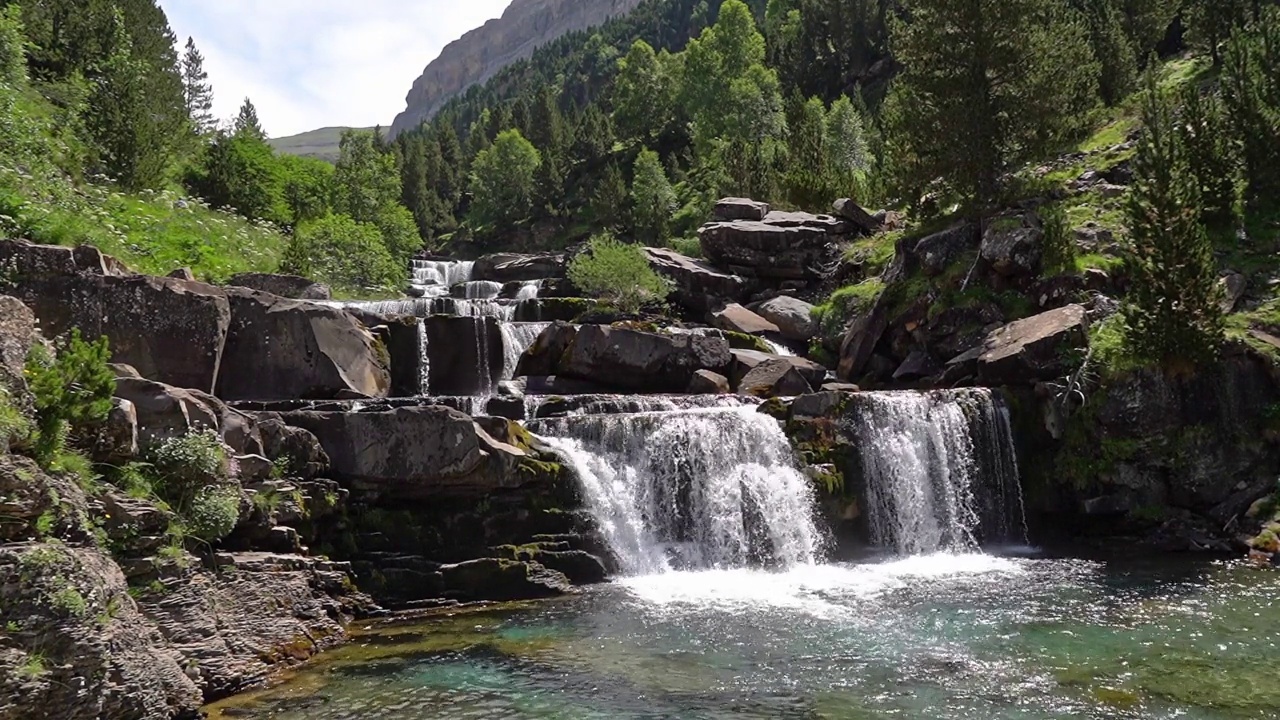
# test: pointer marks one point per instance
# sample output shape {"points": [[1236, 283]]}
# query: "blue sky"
{"points": [[314, 63]]}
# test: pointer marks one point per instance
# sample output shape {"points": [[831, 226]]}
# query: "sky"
{"points": [[308, 64]]}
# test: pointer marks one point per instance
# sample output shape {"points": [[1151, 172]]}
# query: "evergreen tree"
{"points": [[503, 181], [242, 172], [643, 95], [365, 180], [609, 201], [197, 91], [988, 84], [593, 141], [1251, 90], [1117, 63], [846, 148], [247, 124], [1174, 316], [1211, 22], [807, 179], [1204, 132], [652, 199]]}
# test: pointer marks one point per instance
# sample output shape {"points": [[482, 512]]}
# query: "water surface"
{"points": [[941, 636]]}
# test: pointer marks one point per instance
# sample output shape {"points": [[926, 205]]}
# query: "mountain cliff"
{"points": [[481, 53]]}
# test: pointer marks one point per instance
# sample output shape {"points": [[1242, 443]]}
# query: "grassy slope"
{"points": [[153, 232], [321, 144]]}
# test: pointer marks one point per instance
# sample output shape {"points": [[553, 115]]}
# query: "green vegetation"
{"points": [[192, 476], [72, 391], [619, 273], [845, 304]]}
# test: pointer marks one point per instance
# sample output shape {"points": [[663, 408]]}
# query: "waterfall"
{"points": [[424, 359], [940, 470], [516, 338], [437, 276], [481, 289], [502, 311], [530, 290], [696, 489]]}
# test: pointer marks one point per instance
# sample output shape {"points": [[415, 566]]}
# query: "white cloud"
{"points": [[315, 63]]}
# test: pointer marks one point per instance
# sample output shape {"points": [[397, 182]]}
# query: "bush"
{"points": [[191, 473], [689, 247], [213, 513], [72, 390], [1059, 242], [345, 254], [618, 273]]}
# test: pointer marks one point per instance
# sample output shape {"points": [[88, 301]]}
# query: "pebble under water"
{"points": [[936, 636]]}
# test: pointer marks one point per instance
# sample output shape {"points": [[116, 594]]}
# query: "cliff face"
{"points": [[481, 53]]}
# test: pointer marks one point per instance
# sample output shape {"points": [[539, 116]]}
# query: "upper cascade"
{"points": [[481, 53], [692, 489]]}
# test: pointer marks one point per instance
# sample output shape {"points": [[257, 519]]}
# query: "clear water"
{"points": [[943, 636]]}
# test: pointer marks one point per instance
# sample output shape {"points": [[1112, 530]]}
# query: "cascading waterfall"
{"points": [[516, 338], [481, 289], [696, 489], [437, 276], [940, 470], [530, 290]]}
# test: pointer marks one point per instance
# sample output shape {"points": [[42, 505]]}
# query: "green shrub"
{"points": [[689, 247], [1060, 250], [834, 315], [15, 427], [617, 273], [72, 391], [346, 254], [183, 465], [212, 513]]}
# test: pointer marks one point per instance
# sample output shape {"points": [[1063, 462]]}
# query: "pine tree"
{"points": [[197, 90], [1211, 22], [1251, 90], [1203, 130], [988, 84], [652, 199], [247, 124], [1118, 65], [1175, 317], [807, 177], [609, 201]]}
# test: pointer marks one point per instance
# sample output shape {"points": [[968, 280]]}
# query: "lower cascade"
{"points": [[694, 489], [940, 470]]}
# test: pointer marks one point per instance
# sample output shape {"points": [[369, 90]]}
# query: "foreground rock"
{"points": [[624, 359], [736, 318], [782, 246], [279, 349]]}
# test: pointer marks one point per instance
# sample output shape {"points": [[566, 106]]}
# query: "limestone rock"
{"points": [[937, 252], [163, 412], [1031, 349], [1013, 245], [513, 267], [294, 287], [283, 349], [542, 359], [736, 318], [744, 361], [18, 334], [740, 209], [412, 453], [498, 579], [774, 378], [793, 317], [782, 246], [638, 361], [117, 440], [698, 286], [705, 382]]}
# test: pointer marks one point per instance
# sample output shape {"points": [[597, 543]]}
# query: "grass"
{"points": [[874, 253]]}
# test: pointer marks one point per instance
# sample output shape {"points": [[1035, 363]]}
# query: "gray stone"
{"points": [[117, 440], [740, 209], [1031, 349], [783, 246], [465, 354], [737, 318], [1234, 286], [698, 286], [510, 267], [294, 287], [637, 361], [279, 349], [1013, 245], [744, 361], [793, 317], [164, 412], [866, 223], [705, 382], [774, 378], [917, 366], [937, 252]]}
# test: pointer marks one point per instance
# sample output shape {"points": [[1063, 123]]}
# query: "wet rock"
{"points": [[736, 318], [279, 348], [740, 209], [782, 246], [465, 354], [413, 453], [840, 387], [404, 347], [498, 579], [705, 382], [774, 378], [1030, 349], [294, 287], [510, 267], [793, 317], [698, 286], [1013, 245]]}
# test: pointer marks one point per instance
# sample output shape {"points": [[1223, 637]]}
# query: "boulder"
{"points": [[501, 579], [163, 411], [509, 267], [117, 440], [860, 340], [774, 378], [171, 330], [294, 287], [705, 382], [30, 261], [306, 457], [17, 335], [464, 354], [866, 223], [736, 318], [412, 453], [638, 361], [1029, 350], [782, 246], [937, 252], [1013, 245], [279, 349], [1234, 286], [917, 366], [744, 361], [698, 286], [793, 317], [740, 209], [542, 358]]}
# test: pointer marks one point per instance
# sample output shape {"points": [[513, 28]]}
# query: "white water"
{"points": [[529, 291], [482, 289], [940, 470], [437, 276], [698, 489], [516, 338]]}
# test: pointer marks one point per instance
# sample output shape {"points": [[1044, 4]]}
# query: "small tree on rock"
{"points": [[617, 273]]}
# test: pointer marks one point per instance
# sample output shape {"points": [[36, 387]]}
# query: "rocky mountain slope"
{"points": [[479, 54]]}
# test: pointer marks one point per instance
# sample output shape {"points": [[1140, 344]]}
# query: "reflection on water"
{"points": [[944, 636]]}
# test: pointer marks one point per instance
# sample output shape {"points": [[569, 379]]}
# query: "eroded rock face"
{"points": [[295, 287], [412, 453], [280, 349], [513, 267], [782, 246], [641, 361], [1031, 349], [698, 286], [481, 53]]}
